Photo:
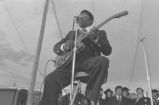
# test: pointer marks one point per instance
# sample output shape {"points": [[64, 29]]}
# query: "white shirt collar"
{"points": [[87, 28], [117, 96]]}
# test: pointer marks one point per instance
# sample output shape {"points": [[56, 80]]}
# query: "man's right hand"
{"points": [[68, 45]]}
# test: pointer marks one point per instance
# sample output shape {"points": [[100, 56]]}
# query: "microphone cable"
{"points": [[51, 60]]}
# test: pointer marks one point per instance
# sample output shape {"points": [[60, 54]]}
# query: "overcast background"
{"points": [[20, 22]]}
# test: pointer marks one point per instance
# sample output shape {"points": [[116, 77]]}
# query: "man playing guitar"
{"points": [[88, 60]]}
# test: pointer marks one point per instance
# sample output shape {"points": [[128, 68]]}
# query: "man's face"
{"points": [[125, 93], [154, 95], [74, 88], [101, 91], [118, 91], [139, 91], [84, 20], [109, 94]]}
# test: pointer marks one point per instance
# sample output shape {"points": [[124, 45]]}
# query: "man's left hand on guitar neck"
{"points": [[94, 35]]}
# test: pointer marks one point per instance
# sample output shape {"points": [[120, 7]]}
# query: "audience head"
{"points": [[155, 94], [139, 90], [108, 93], [125, 91], [118, 90]]}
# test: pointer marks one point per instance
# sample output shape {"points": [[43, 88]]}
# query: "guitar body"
{"points": [[62, 60], [66, 58]]}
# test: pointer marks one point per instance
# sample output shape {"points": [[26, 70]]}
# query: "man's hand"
{"points": [[68, 45], [94, 35]]}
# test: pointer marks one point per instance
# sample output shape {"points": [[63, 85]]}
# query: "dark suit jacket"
{"points": [[107, 101], [114, 101], [155, 102], [143, 101], [91, 49]]}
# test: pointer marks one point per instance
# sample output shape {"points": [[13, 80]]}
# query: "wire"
{"points": [[54, 9], [14, 24], [93, 6], [138, 40], [45, 72]]}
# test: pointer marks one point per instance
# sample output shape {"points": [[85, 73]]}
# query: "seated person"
{"points": [[89, 60]]}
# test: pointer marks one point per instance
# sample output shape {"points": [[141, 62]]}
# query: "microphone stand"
{"points": [[73, 62], [147, 68], [74, 21]]}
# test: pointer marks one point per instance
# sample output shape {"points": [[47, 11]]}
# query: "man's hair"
{"points": [[89, 14], [108, 90], [155, 91], [118, 87], [139, 88], [125, 89]]}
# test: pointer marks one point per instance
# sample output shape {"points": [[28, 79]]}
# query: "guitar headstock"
{"points": [[124, 13]]}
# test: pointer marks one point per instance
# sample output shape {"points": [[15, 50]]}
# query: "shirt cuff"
{"points": [[62, 47]]}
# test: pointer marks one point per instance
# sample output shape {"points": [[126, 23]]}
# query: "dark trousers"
{"points": [[97, 67]]}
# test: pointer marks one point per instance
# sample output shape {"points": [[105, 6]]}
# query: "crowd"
{"points": [[120, 96]]}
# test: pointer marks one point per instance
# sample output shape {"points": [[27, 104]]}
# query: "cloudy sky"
{"points": [[20, 26]]}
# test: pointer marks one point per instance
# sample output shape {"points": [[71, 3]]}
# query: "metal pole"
{"points": [[38, 51], [147, 69], [54, 8], [73, 67], [76, 92]]}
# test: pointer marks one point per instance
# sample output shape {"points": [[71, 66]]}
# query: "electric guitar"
{"points": [[64, 59]]}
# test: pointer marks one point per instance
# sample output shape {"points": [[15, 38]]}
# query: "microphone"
{"points": [[77, 18]]}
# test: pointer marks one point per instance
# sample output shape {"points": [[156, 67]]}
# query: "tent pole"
{"points": [[147, 69], [38, 51]]}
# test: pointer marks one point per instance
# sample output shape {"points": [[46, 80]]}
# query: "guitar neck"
{"points": [[82, 37], [112, 17], [104, 22]]}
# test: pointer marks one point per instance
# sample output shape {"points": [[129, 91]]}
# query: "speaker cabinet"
{"points": [[8, 96]]}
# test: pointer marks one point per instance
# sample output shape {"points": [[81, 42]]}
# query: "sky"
{"points": [[20, 27]]}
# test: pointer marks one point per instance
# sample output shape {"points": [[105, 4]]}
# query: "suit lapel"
{"points": [[116, 100]]}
